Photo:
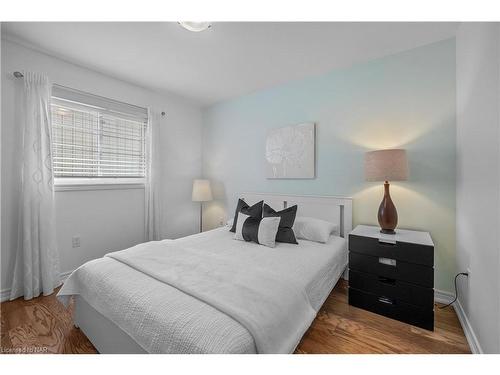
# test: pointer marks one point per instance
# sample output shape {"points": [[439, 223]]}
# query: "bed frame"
{"points": [[107, 337]]}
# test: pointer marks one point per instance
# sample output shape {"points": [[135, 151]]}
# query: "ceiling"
{"points": [[228, 60]]}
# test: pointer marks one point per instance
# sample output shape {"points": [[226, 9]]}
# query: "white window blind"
{"points": [[97, 138]]}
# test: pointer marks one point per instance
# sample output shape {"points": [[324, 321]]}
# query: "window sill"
{"points": [[97, 184]]}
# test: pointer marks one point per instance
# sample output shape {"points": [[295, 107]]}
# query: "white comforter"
{"points": [[151, 298]]}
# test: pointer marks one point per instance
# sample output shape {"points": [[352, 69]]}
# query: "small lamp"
{"points": [[386, 165], [201, 193]]}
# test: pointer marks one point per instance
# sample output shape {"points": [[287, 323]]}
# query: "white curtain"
{"points": [[152, 190], [36, 267]]}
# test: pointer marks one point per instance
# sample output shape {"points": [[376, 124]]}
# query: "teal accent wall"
{"points": [[406, 100]]}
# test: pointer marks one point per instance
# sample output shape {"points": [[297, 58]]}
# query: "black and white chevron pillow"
{"points": [[260, 230]]}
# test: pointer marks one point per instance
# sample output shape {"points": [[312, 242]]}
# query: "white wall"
{"points": [[478, 178], [106, 220]]}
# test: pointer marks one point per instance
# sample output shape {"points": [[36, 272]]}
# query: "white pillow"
{"points": [[309, 228], [262, 231]]}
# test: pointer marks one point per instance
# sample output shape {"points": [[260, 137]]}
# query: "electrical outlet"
{"points": [[221, 222], [76, 241]]}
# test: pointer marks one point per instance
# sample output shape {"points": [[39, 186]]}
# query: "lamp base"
{"points": [[387, 214], [201, 217], [388, 231]]}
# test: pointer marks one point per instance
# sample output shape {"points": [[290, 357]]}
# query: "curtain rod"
{"points": [[21, 75]]}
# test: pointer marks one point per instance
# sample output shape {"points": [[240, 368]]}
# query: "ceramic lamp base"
{"points": [[388, 231], [387, 214]]}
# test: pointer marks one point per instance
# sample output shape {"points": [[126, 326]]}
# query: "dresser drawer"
{"points": [[393, 269], [403, 251], [395, 289], [382, 305]]}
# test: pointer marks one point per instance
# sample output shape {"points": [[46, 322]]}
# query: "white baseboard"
{"points": [[5, 293], [446, 297], [443, 297], [471, 337], [345, 274]]}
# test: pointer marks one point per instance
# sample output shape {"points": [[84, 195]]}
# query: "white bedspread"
{"points": [[142, 296], [274, 308]]}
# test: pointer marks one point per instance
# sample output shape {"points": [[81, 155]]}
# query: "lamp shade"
{"points": [[201, 191], [386, 165]]}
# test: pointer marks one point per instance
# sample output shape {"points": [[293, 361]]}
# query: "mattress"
{"points": [[186, 324]]}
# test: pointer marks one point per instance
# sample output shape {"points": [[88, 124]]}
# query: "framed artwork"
{"points": [[290, 152]]}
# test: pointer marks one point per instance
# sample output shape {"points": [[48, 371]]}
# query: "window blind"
{"points": [[96, 137]]}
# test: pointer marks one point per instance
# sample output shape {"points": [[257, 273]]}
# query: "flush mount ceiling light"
{"points": [[196, 26]]}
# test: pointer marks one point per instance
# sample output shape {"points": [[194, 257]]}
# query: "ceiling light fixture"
{"points": [[196, 26]]}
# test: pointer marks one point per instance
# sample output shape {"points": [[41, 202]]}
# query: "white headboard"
{"points": [[334, 209]]}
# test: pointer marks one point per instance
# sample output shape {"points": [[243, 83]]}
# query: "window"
{"points": [[97, 140]]}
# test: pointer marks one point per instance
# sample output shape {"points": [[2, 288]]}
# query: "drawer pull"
{"points": [[385, 300], [387, 261], [386, 280]]}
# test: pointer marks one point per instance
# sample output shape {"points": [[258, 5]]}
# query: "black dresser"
{"points": [[393, 275]]}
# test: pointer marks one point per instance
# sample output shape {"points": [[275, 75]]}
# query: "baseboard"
{"points": [[446, 297], [471, 337], [5, 293], [443, 297], [345, 274]]}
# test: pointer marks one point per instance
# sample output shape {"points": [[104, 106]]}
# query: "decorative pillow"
{"points": [[262, 231], [287, 216], [309, 228], [254, 211]]}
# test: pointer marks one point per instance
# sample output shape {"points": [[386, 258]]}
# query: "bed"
{"points": [[208, 293]]}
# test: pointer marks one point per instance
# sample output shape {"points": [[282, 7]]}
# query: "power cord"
{"points": [[456, 289]]}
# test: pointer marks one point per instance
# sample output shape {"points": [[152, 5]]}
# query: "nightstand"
{"points": [[393, 275]]}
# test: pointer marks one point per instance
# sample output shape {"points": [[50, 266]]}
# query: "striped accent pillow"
{"points": [[262, 231]]}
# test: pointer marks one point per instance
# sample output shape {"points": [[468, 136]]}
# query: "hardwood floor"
{"points": [[44, 325], [340, 328], [41, 325]]}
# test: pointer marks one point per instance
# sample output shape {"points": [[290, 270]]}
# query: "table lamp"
{"points": [[201, 193], [386, 165]]}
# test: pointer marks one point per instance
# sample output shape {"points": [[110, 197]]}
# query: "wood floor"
{"points": [[340, 328], [43, 325]]}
